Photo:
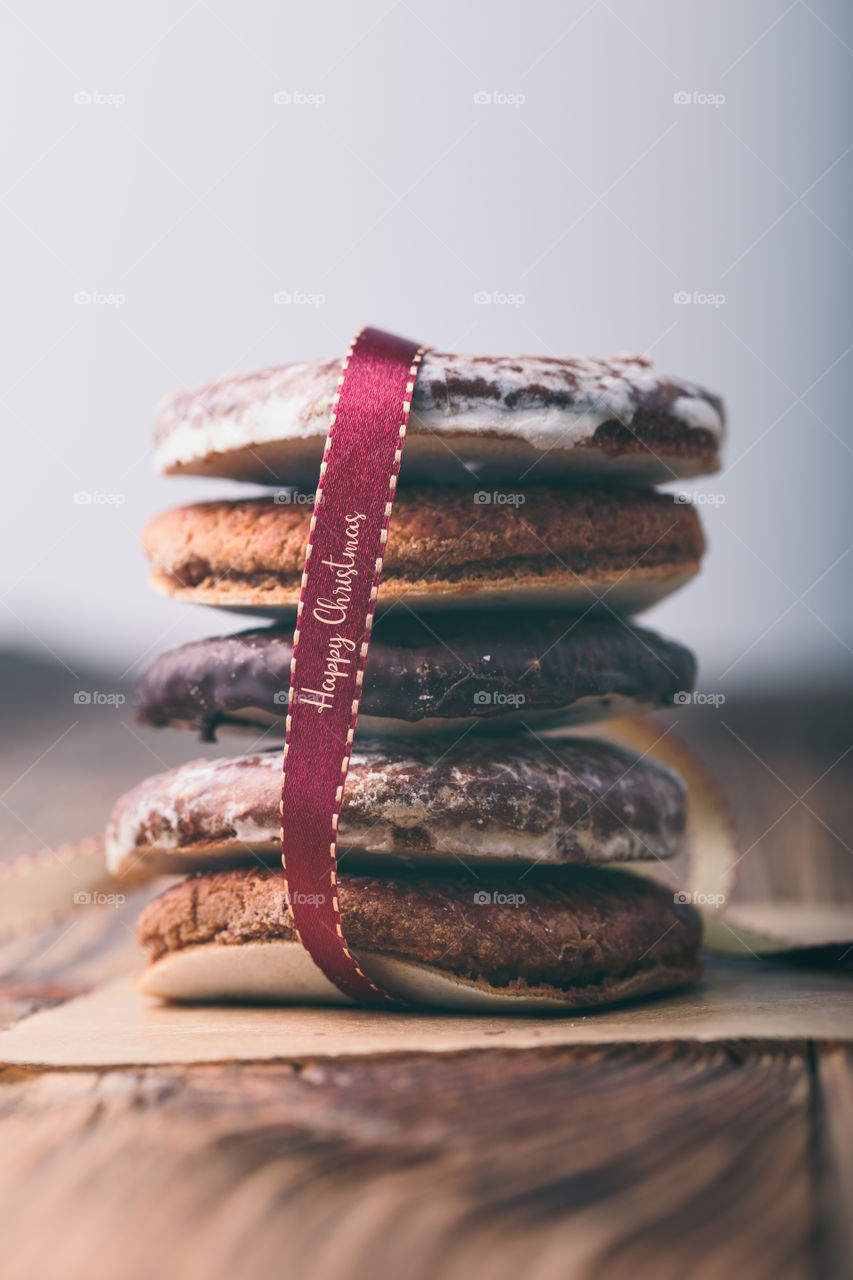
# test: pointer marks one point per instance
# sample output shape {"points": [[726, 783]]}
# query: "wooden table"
{"points": [[665, 1160]]}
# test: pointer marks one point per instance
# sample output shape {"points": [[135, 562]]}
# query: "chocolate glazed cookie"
{"points": [[496, 671]]}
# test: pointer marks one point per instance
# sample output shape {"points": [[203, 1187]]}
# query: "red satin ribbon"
{"points": [[343, 566]]}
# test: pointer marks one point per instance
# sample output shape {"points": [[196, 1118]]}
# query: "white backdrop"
{"points": [[169, 169]]}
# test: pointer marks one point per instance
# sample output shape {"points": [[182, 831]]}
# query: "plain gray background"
{"points": [[150, 169]]}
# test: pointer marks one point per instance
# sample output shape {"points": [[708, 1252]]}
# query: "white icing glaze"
{"points": [[695, 412], [293, 403], [219, 799]]}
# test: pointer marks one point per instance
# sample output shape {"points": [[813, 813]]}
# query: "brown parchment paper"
{"points": [[116, 1026]]}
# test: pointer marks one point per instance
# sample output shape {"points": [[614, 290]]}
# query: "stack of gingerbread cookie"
{"points": [[479, 860]]}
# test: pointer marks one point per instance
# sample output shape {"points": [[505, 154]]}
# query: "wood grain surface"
{"points": [[669, 1160]]}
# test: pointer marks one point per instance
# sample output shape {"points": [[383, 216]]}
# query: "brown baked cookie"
{"points": [[564, 549], [483, 799], [493, 670], [519, 418], [572, 936]]}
